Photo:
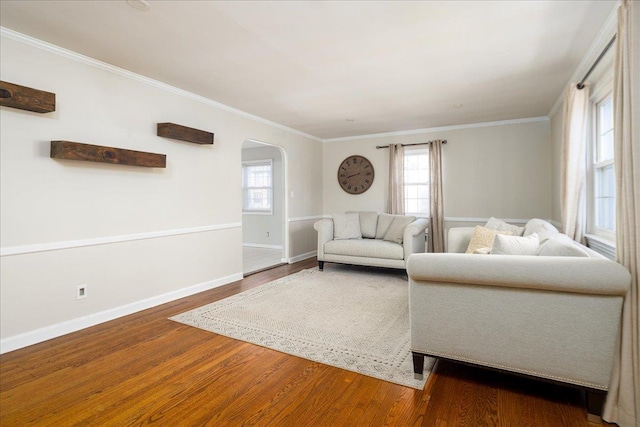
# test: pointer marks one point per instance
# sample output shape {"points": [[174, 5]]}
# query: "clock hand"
{"points": [[353, 175]]}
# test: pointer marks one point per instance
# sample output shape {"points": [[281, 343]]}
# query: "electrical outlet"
{"points": [[81, 291]]}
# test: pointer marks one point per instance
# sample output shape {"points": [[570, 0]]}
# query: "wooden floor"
{"points": [[145, 369]]}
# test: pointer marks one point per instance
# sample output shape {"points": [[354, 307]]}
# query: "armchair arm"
{"points": [[413, 237], [564, 274], [325, 234]]}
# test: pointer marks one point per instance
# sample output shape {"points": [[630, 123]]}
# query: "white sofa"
{"points": [[369, 238], [552, 315]]}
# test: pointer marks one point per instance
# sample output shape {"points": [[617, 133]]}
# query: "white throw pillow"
{"points": [[500, 225], [542, 228], [482, 238], [515, 245], [395, 232], [561, 245], [346, 226]]}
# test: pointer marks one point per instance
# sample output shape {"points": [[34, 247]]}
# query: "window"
{"points": [[603, 182], [257, 187], [416, 182]]}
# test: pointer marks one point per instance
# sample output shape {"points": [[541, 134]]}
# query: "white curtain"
{"points": [[395, 202], [436, 199], [573, 160], [623, 400]]}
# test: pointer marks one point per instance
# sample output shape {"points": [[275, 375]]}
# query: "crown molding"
{"points": [[607, 31], [439, 129], [60, 51]]}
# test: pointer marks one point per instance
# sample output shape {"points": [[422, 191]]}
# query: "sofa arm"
{"points": [[413, 237], [564, 274], [325, 234], [458, 239]]}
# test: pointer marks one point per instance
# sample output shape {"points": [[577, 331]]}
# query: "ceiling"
{"points": [[337, 69]]}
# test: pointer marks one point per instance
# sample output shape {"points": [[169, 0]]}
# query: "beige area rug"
{"points": [[347, 317]]}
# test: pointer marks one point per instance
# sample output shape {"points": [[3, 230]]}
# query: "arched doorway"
{"points": [[264, 225]]}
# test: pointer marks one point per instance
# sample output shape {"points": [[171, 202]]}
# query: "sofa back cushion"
{"points": [[395, 232], [542, 228], [384, 222], [368, 223], [561, 245], [500, 225], [346, 226]]}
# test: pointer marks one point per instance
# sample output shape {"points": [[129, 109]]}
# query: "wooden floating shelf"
{"points": [[183, 133], [95, 153], [26, 98]]}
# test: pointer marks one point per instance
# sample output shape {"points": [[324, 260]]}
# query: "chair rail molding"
{"points": [[54, 246], [308, 218]]}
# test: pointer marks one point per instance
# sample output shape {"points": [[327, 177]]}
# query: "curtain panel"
{"points": [[436, 199], [573, 161], [395, 200], [623, 400]]}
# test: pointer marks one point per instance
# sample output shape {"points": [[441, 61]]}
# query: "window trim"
{"points": [[602, 93], [258, 162], [415, 151]]}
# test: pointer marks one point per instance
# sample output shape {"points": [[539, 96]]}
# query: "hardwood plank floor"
{"points": [[145, 369]]}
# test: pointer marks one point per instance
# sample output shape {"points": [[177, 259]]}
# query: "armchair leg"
{"points": [[320, 265], [418, 365]]}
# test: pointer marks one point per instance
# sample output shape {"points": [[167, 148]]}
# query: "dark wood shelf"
{"points": [[26, 98], [68, 150], [183, 133]]}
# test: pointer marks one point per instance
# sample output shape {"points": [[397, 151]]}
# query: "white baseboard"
{"points": [[259, 245], [301, 257], [43, 334]]}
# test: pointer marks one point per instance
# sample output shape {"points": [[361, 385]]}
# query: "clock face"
{"points": [[355, 174]]}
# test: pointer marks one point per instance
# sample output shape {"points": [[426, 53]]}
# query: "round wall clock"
{"points": [[355, 174]]}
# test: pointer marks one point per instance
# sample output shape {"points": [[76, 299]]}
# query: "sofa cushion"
{"points": [[346, 226], [384, 222], [483, 238], [368, 223], [396, 229], [370, 248], [500, 225], [561, 245], [515, 245], [542, 228]]}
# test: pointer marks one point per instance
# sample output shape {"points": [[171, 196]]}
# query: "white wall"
{"points": [[501, 170], [256, 226], [193, 207]]}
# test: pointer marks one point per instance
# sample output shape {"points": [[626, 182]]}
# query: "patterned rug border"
{"points": [[396, 368]]}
